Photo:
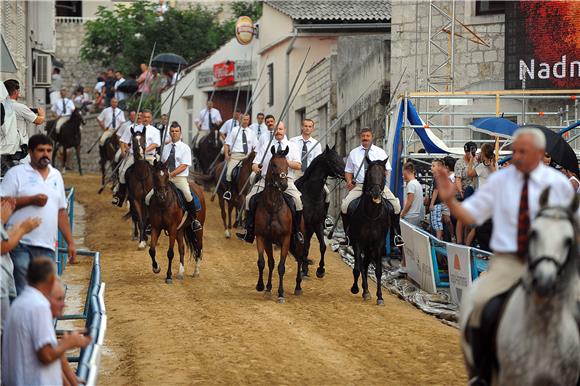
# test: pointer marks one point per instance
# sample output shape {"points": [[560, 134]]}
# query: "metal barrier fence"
{"points": [[61, 257]]}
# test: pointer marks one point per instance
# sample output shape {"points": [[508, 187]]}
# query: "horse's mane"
{"points": [[308, 173]]}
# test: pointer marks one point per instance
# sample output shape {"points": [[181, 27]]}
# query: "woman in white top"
{"points": [[573, 180], [486, 166]]}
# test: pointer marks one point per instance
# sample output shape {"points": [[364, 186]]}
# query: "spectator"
{"points": [[24, 115], [120, 95], [98, 91], [39, 192], [436, 207], [547, 159], [465, 183], [82, 100], [448, 167], [10, 239], [413, 210], [109, 87], [573, 179], [486, 166], [56, 308], [144, 80], [31, 354]]}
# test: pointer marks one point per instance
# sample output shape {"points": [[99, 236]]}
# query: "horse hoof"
{"points": [[380, 302], [281, 300], [267, 293], [259, 287], [320, 273], [168, 281], [179, 276], [298, 292], [367, 296], [142, 245], [227, 234], [195, 274], [354, 289], [134, 238], [156, 269]]}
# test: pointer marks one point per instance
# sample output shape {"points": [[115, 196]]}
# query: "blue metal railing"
{"points": [[61, 256]]}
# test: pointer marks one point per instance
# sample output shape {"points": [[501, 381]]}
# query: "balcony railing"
{"points": [[73, 19]]}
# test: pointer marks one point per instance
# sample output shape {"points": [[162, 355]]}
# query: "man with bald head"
{"points": [[280, 142], [511, 199]]}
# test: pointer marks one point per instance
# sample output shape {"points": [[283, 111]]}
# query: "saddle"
{"points": [[181, 198]]}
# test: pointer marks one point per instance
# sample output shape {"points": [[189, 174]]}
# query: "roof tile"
{"points": [[346, 10]]}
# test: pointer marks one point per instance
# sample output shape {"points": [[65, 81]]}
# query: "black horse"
{"points": [[311, 185], [69, 136], [369, 219], [208, 151]]}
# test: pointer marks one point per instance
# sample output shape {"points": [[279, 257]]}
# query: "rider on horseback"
{"points": [[208, 118], [63, 109], [178, 157], [280, 142], [153, 141], [510, 199], [110, 120], [354, 174], [239, 143]]}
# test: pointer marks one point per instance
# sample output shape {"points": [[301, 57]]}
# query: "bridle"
{"points": [[276, 179]]}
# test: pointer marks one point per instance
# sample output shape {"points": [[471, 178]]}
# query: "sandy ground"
{"points": [[217, 330]]}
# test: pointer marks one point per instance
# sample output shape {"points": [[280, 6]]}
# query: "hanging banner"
{"points": [[459, 263], [224, 73], [418, 257]]}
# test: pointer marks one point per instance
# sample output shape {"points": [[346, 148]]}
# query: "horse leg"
{"points": [[320, 236], [141, 216], [78, 150], [261, 264], [379, 275], [55, 153], [181, 247], [223, 213], [271, 264], [307, 240], [282, 267], [154, 238], [300, 264], [356, 268], [364, 273], [64, 160], [230, 209], [170, 254]]}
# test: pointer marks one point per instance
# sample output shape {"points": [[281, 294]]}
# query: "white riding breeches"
{"points": [[357, 191], [128, 162], [201, 134], [234, 160], [106, 135], [60, 121]]}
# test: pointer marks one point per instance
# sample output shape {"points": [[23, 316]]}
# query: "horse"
{"points": [[69, 136], [107, 154], [238, 196], [167, 214], [311, 185], [139, 178], [537, 341], [273, 225], [208, 150], [369, 219]]}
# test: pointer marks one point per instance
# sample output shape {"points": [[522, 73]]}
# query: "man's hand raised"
{"points": [[446, 189]]}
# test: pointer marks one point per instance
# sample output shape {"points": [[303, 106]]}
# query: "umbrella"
{"points": [[494, 126], [560, 150], [168, 60], [129, 86]]}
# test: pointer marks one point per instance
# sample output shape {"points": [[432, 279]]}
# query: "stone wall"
{"points": [[13, 28], [69, 38], [321, 97]]}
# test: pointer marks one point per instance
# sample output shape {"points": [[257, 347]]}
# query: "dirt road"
{"points": [[217, 330]]}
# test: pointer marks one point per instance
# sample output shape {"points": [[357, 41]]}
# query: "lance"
{"points": [[165, 129]]}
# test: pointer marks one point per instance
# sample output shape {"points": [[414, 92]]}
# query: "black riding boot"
{"points": [[249, 235], [296, 227], [119, 197], [345, 226], [195, 224]]}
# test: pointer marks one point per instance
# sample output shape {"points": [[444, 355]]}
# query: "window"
{"points": [[69, 8], [489, 7], [271, 84]]}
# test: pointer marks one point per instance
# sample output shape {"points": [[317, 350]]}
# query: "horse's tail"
{"points": [[191, 241]]}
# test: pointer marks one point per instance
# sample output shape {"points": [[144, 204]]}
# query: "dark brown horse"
{"points": [[208, 151], [167, 214], [107, 154], [69, 136], [139, 178], [238, 196], [273, 225]]}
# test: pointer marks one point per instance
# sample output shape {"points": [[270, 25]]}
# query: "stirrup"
{"points": [[227, 195], [196, 225], [345, 242], [328, 222], [300, 237], [398, 241], [117, 201]]}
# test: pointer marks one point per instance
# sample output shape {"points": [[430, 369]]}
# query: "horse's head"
{"points": [[552, 246], [375, 179], [277, 175], [76, 118], [138, 142], [160, 181], [334, 163]]}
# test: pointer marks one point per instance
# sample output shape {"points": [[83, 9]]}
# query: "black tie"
{"points": [[259, 130], [63, 107], [303, 158], [114, 120], [171, 158], [245, 141], [209, 121], [279, 147]]}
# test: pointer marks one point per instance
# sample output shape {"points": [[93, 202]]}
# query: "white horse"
{"points": [[538, 340]]}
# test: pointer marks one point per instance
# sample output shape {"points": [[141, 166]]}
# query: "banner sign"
{"points": [[459, 263], [224, 73], [542, 49], [418, 257]]}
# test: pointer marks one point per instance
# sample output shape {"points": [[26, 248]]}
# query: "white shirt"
{"points": [[22, 180], [216, 118], [264, 139], [99, 86], [416, 208], [182, 156], [259, 129], [499, 199], [9, 137], [152, 135], [483, 173], [24, 117], [107, 115], [238, 146], [228, 126], [293, 155], [119, 95], [57, 107], [28, 329], [125, 127], [356, 159], [310, 143]]}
